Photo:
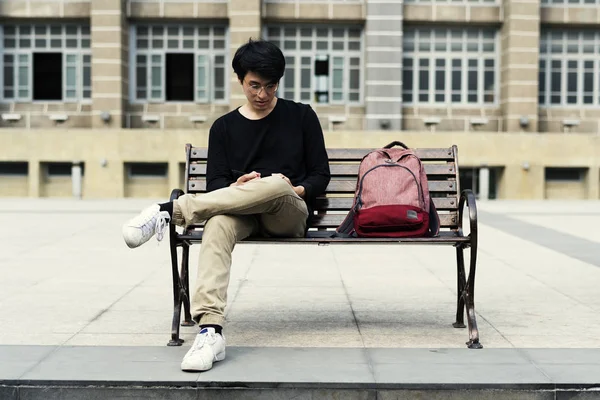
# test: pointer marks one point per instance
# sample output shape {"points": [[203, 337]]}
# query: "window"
{"points": [[179, 63], [323, 64], [46, 62], [450, 66], [14, 168], [59, 168], [469, 179], [565, 174], [146, 169], [569, 73]]}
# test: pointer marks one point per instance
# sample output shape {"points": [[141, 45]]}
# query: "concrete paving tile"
{"points": [[430, 317], [114, 321], [448, 356], [471, 394], [302, 313], [574, 394], [25, 337], [406, 335], [128, 339], [47, 319], [564, 356], [8, 393], [298, 281], [292, 334], [423, 340], [98, 393], [291, 365], [284, 394], [553, 341], [427, 373], [16, 360], [250, 291], [120, 364], [296, 340], [588, 374], [148, 298]]}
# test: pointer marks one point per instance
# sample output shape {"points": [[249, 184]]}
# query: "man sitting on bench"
{"points": [[266, 163]]}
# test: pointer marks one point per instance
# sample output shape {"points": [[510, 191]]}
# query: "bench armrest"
{"points": [[468, 197], [175, 193]]}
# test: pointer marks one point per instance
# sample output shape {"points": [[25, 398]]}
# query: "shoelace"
{"points": [[162, 221], [200, 341]]}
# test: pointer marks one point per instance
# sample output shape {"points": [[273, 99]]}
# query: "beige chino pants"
{"points": [[267, 206]]}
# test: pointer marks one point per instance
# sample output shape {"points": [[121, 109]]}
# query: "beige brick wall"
{"points": [[519, 64], [244, 23], [109, 35], [14, 186], [452, 13], [565, 190], [573, 14], [45, 9], [107, 180], [314, 11], [175, 9]]}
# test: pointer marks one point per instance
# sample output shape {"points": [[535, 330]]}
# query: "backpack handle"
{"points": [[396, 143]]}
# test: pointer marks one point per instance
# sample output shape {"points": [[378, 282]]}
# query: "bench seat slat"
{"points": [[446, 237], [447, 220]]}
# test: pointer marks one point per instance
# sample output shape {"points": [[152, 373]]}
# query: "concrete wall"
{"points": [[523, 156]]}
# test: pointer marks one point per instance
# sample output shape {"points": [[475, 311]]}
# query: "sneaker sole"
{"points": [[219, 357]]}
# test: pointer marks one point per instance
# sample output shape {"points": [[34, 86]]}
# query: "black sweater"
{"points": [[288, 141]]}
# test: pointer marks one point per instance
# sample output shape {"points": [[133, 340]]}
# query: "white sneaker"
{"points": [[141, 228], [207, 348]]}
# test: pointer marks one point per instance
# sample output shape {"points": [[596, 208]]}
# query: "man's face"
{"points": [[258, 91]]}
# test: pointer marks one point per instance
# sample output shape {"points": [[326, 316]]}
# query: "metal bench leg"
{"points": [[460, 288], [185, 282], [473, 342], [177, 290], [465, 293]]}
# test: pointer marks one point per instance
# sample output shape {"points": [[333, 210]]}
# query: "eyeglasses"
{"points": [[255, 88]]}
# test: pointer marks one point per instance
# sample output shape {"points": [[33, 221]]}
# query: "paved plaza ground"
{"points": [[71, 290]]}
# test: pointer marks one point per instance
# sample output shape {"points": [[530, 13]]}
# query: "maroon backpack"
{"points": [[392, 197]]}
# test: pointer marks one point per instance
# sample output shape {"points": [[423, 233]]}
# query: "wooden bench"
{"points": [[441, 166]]}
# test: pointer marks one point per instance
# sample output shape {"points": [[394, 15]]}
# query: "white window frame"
{"points": [[210, 53], [16, 51], [299, 53], [548, 56], [448, 56]]}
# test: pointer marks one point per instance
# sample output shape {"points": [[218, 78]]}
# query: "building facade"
{"points": [[99, 96]]}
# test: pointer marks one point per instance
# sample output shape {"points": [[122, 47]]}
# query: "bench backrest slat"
{"points": [[348, 169], [201, 153], [441, 166]]}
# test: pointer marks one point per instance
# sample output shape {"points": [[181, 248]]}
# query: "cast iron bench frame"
{"points": [[441, 166]]}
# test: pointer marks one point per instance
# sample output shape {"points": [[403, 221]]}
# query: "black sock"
{"points": [[218, 328], [168, 207]]}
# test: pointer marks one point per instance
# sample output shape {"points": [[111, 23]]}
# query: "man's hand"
{"points": [[300, 191], [246, 178]]}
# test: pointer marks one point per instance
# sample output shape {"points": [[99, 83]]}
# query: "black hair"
{"points": [[261, 57]]}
